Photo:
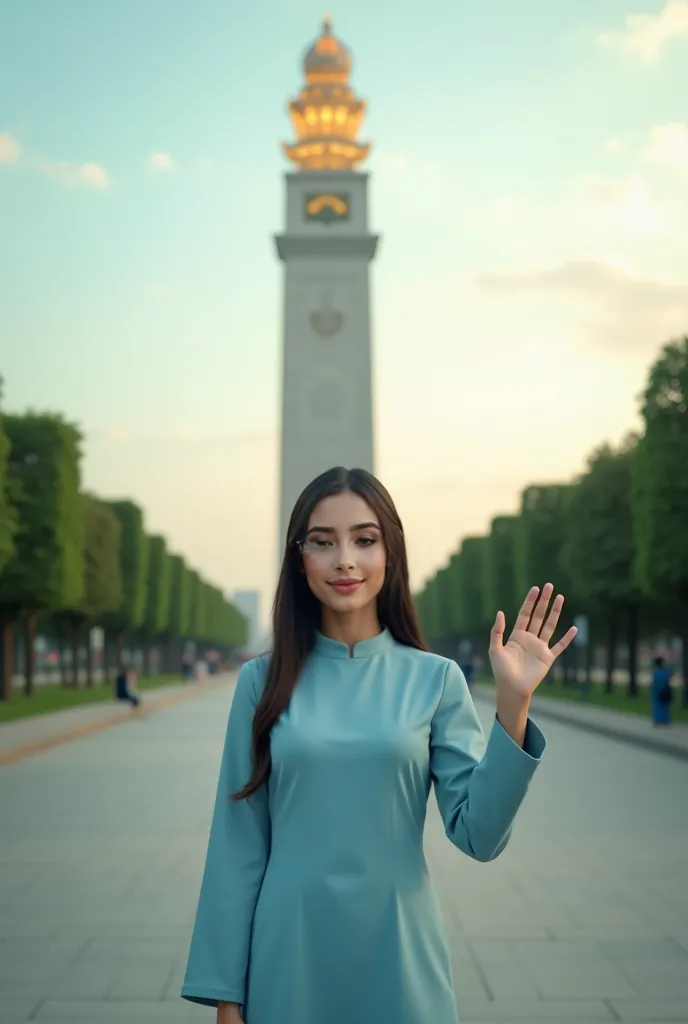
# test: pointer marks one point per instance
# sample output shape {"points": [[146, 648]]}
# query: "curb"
{"points": [[611, 732], [13, 754]]}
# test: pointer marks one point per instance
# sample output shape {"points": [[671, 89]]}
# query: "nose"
{"points": [[344, 559]]}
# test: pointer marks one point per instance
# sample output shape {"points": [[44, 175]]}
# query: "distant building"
{"points": [[248, 603]]}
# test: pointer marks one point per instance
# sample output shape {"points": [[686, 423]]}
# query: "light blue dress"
{"points": [[316, 906]]}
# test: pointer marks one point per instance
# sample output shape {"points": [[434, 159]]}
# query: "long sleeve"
{"points": [[238, 850], [478, 797]]}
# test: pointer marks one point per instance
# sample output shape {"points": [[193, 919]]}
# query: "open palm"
{"points": [[520, 664]]}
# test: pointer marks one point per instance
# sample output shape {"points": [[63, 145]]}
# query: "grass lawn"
{"points": [[618, 700], [52, 697]]}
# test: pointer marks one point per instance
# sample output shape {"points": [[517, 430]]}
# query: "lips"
{"points": [[346, 586]]}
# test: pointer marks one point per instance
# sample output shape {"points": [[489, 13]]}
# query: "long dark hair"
{"points": [[296, 612]]}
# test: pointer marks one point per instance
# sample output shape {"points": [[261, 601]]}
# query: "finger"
{"points": [[550, 624], [526, 611], [541, 609], [497, 632], [563, 643]]}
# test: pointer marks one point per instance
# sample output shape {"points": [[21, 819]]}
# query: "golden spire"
{"points": [[327, 114]]}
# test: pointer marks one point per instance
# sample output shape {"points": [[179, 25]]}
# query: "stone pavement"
{"points": [[27, 736], [583, 919], [619, 725]]}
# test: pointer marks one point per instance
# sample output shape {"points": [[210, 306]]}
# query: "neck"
{"points": [[350, 628]]}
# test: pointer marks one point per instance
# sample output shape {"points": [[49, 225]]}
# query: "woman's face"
{"points": [[344, 556]]}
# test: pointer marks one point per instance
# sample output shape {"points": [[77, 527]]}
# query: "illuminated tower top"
{"points": [[327, 114]]}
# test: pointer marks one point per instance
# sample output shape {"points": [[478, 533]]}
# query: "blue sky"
{"points": [[529, 179]]}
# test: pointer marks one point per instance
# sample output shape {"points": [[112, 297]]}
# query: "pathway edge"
{"points": [[13, 754]]}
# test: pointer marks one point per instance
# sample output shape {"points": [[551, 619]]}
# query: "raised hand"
{"points": [[520, 664]]}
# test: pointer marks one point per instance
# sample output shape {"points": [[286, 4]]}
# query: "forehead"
{"points": [[342, 511]]}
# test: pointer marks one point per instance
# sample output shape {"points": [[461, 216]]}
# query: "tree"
{"points": [[180, 610], [446, 610], [133, 558], [470, 599], [102, 590], [659, 491], [499, 568], [46, 571], [599, 550], [158, 595], [539, 539], [427, 604], [198, 608], [8, 523]]}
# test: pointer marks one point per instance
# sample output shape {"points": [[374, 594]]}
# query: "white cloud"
{"points": [[613, 206], [620, 307], [668, 145], [644, 35], [86, 175], [9, 149], [160, 162]]}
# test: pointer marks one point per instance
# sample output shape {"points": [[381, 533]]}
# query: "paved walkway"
{"points": [[584, 919], [28, 736], [619, 725]]}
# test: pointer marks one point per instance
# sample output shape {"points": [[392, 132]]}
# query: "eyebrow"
{"points": [[331, 529]]}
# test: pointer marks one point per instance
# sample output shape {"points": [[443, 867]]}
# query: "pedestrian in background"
{"points": [[126, 686], [661, 693]]}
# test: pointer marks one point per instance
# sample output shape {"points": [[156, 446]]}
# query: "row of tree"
{"points": [[614, 541], [74, 561]]}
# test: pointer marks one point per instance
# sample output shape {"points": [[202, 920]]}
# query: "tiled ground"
{"points": [[583, 919]]}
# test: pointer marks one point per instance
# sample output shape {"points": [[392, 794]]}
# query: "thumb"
{"points": [[497, 631]]}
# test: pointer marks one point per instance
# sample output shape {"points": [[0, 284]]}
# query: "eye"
{"points": [[367, 542]]}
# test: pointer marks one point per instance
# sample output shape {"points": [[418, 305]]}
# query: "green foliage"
{"points": [[180, 598], [598, 553], [198, 610], [235, 626], [46, 570], [134, 568], [470, 601], [428, 611], [159, 589], [446, 591], [214, 612], [102, 572], [194, 603], [8, 521], [539, 539], [660, 479], [499, 570]]}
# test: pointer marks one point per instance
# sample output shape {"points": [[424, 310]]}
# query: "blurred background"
{"points": [[528, 179], [526, 347]]}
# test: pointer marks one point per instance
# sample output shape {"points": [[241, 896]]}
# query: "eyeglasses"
{"points": [[321, 547]]}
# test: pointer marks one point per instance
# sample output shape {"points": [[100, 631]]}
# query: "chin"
{"points": [[344, 602], [341, 603]]}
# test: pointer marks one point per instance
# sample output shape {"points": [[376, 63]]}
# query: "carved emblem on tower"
{"points": [[327, 321]]}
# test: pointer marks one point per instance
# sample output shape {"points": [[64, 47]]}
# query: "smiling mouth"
{"points": [[346, 586]]}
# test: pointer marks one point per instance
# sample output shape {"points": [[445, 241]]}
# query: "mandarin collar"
{"points": [[329, 648]]}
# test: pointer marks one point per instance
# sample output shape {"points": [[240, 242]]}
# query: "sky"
{"points": [[529, 180]]}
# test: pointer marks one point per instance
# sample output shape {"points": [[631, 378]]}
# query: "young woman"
{"points": [[316, 906]]}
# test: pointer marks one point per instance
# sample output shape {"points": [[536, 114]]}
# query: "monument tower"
{"points": [[327, 407]]}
